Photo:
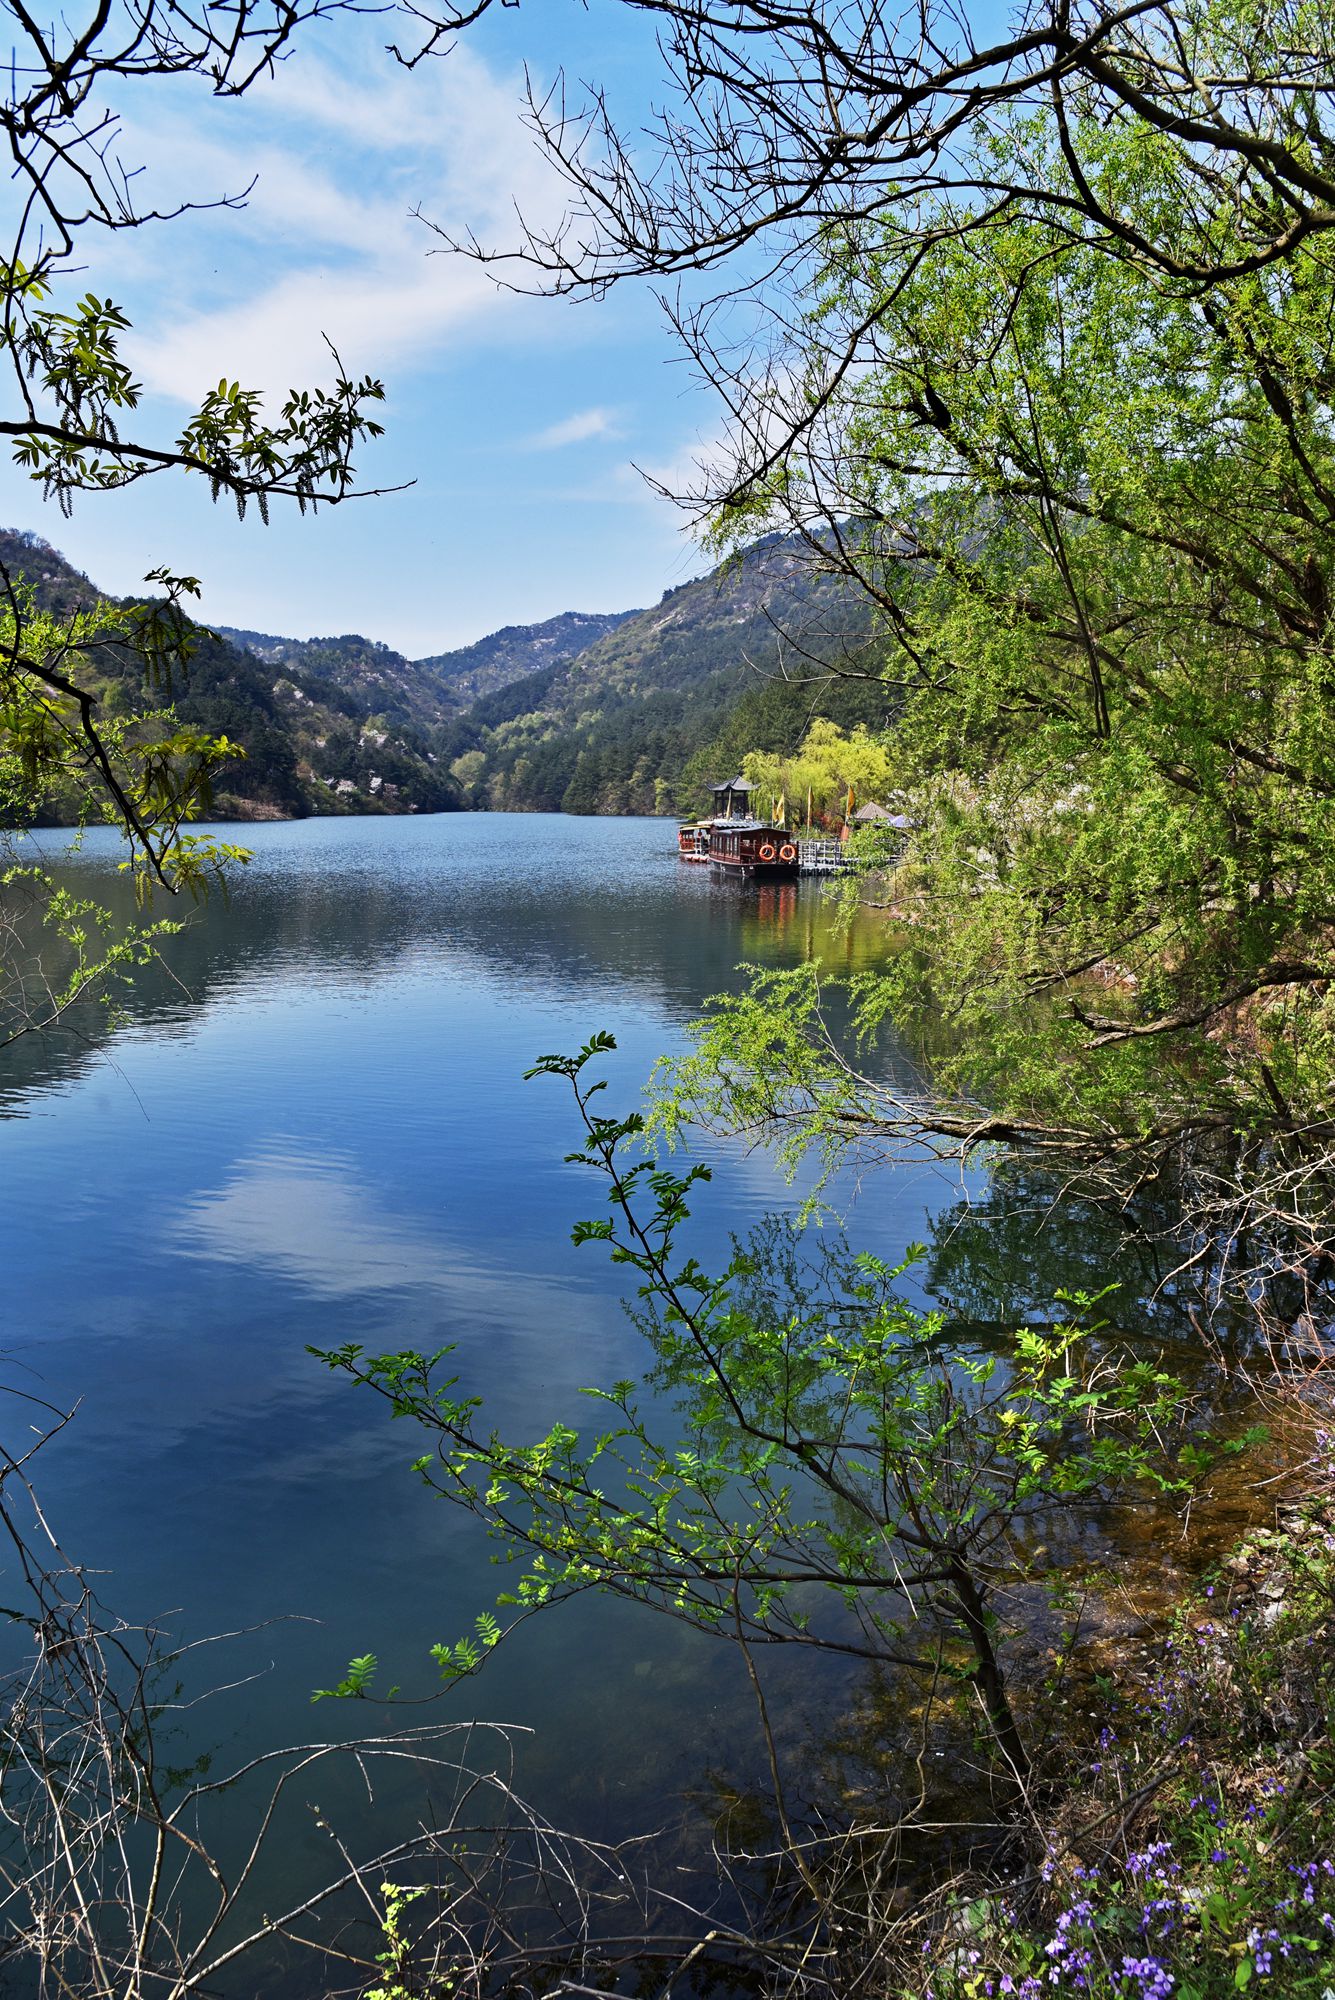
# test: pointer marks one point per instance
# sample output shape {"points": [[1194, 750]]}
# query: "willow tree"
{"points": [[1041, 312], [1093, 502], [778, 120], [823, 768]]}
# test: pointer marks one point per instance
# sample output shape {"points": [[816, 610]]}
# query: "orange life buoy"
{"points": [[788, 852], [767, 851]]}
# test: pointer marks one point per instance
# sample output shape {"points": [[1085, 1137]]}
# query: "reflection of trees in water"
{"points": [[993, 1263], [673, 941], [811, 922], [1001, 1259], [885, 1743], [873, 1745]]}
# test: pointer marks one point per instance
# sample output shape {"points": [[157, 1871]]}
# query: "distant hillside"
{"points": [[381, 681], [628, 725], [312, 745], [583, 713], [519, 650], [427, 691]]}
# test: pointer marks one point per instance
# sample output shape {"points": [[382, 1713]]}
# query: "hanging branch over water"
{"points": [[120, 1875], [73, 418]]}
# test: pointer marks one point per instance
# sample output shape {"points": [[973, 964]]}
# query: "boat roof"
{"points": [[745, 825]]}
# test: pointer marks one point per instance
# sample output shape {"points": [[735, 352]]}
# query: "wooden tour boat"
{"points": [[734, 842]]}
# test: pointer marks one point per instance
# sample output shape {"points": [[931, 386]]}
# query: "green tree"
{"points": [[1027, 334], [778, 126], [68, 746], [825, 765], [72, 415], [1093, 504], [802, 1464]]}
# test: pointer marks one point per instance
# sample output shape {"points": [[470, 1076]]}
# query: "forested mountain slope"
{"points": [[362, 671], [638, 721], [430, 691], [629, 725], [312, 744]]}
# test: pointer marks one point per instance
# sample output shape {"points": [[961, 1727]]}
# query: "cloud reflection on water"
{"points": [[316, 1222], [286, 1213]]}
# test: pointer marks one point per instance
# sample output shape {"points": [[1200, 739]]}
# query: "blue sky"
{"points": [[519, 420]]}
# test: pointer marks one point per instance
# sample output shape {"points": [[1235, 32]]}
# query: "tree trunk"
{"points": [[987, 1676]]}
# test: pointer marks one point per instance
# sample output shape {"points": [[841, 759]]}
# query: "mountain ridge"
{"points": [[635, 721], [630, 724], [513, 651], [311, 746], [430, 687]]}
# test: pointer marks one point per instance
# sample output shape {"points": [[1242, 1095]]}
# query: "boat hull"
{"points": [[749, 849], [765, 871]]}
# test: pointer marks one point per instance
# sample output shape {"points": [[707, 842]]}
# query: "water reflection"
{"points": [[525, 907], [999, 1255], [329, 1140], [316, 1223], [314, 1130]]}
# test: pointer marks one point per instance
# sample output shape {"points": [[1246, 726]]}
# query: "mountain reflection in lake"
{"points": [[316, 1131]]}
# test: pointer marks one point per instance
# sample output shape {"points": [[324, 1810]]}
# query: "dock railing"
{"points": [[822, 857]]}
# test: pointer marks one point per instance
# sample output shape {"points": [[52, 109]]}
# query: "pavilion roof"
{"points": [[874, 815]]}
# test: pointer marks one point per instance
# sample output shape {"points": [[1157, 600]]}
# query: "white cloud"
{"points": [[709, 461], [314, 1223], [276, 339], [327, 243], [322, 1225], [578, 429]]}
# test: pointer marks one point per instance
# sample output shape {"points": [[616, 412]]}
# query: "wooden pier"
{"points": [[822, 857]]}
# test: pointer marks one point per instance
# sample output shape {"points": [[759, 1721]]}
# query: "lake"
{"points": [[316, 1130]]}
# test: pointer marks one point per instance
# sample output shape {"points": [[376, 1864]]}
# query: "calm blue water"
{"points": [[317, 1131], [313, 1129]]}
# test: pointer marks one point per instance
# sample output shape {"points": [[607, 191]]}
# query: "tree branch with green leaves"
{"points": [[834, 1473]]}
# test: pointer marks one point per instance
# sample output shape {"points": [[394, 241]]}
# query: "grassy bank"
{"points": [[1188, 1849]]}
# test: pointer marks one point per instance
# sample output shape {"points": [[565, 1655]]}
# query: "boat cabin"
{"points": [[733, 841], [752, 847]]}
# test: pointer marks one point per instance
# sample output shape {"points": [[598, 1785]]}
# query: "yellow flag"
{"points": [[849, 812], [781, 817]]}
